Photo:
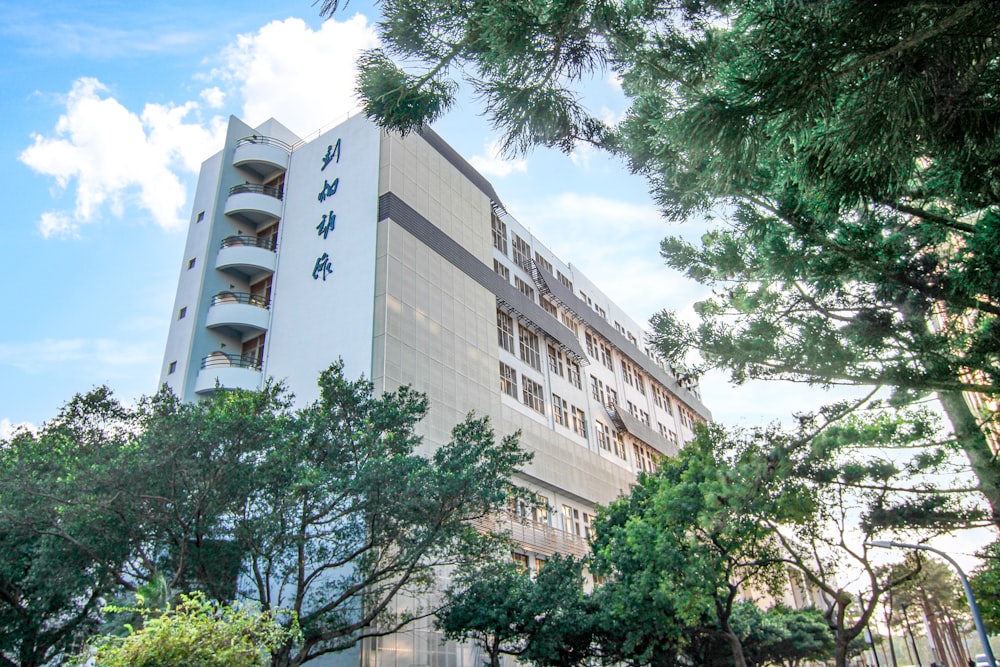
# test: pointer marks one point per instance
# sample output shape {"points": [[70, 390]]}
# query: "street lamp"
{"points": [[973, 607]]}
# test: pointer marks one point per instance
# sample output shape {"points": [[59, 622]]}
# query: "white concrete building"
{"points": [[397, 256]]}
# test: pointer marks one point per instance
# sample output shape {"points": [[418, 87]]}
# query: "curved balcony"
{"points": [[254, 203], [263, 156], [238, 311], [248, 256], [228, 371]]}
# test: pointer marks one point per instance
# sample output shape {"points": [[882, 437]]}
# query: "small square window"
{"points": [[201, 216], [191, 262], [171, 368], [182, 313]]}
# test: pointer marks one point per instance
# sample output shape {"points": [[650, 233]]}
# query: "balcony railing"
{"points": [[258, 300], [223, 360], [248, 241], [267, 141], [256, 188]]}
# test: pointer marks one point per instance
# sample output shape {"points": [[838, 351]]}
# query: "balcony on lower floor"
{"points": [[255, 203], [228, 371], [260, 155], [239, 312], [247, 256]]}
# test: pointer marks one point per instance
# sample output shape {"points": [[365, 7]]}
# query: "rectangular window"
{"points": [[508, 380], [603, 435], [618, 444], [520, 560], [579, 422], [555, 360], [632, 408], [172, 368], [621, 329], [591, 345], [567, 283], [627, 373], [505, 331], [501, 270], [532, 392], [499, 234], [542, 262], [559, 411], [587, 530], [571, 324], [606, 357], [639, 384], [182, 313], [644, 417], [583, 295], [201, 216], [524, 288], [192, 262], [600, 311], [522, 252], [529, 348], [548, 306], [612, 396], [573, 373], [567, 513], [632, 339], [597, 389]]}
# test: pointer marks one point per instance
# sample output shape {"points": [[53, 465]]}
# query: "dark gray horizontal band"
{"points": [[547, 283], [392, 207]]}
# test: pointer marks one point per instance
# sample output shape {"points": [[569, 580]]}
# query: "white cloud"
{"points": [[9, 428], [615, 80], [494, 164], [104, 353], [305, 78], [213, 97], [112, 156]]}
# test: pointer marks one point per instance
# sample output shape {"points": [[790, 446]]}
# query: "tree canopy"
{"points": [[849, 151], [327, 511]]}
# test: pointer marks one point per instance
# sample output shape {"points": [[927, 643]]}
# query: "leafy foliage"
{"points": [[985, 582], [197, 633], [851, 149]]}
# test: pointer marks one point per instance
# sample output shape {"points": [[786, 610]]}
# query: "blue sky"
{"points": [[110, 106]]}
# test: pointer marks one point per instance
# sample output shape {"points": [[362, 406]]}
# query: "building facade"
{"points": [[395, 255]]}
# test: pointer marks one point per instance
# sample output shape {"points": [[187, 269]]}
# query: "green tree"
{"points": [[850, 148], [196, 632], [542, 620], [985, 582], [783, 637]]}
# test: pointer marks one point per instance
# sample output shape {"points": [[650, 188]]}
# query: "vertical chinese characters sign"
{"points": [[328, 222]]}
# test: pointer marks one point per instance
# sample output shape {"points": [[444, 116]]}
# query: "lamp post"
{"points": [[973, 607]]}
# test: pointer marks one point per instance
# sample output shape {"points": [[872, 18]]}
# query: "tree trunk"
{"points": [[972, 440], [739, 660]]}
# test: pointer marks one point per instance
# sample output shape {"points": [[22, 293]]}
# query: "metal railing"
{"points": [[223, 360], [267, 141], [249, 241], [258, 300], [257, 188]]}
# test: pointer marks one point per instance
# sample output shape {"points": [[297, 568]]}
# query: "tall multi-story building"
{"points": [[394, 254]]}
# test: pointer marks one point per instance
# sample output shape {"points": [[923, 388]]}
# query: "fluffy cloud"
{"points": [[303, 77], [9, 428], [494, 164], [111, 157]]}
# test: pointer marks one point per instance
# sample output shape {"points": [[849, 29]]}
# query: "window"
{"points": [[182, 313], [201, 216], [532, 392], [571, 324], [627, 373], [618, 444], [632, 408], [583, 295], [597, 389], [660, 398], [520, 560], [542, 262], [662, 428], [644, 459], [587, 531], [579, 422], [571, 520], [529, 349], [639, 384], [644, 417], [632, 339], [573, 373], [612, 396], [603, 435], [559, 411], [191, 262], [501, 270], [567, 283], [172, 368], [540, 564], [606, 357], [621, 329], [549, 307], [499, 234], [508, 380], [591, 345], [555, 360], [505, 331], [524, 288], [600, 311], [522, 252]]}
